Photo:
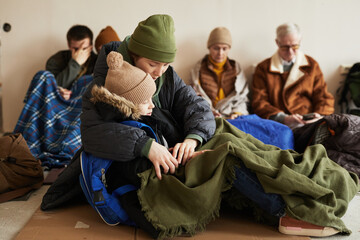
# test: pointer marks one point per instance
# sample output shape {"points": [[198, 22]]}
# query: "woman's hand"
{"points": [[184, 151], [161, 157]]}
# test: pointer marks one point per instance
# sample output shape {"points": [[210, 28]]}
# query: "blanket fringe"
{"points": [[184, 229]]}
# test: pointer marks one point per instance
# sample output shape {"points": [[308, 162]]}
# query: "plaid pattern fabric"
{"points": [[50, 124]]}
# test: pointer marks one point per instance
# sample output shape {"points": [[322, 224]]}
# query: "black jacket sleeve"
{"points": [[191, 111]]}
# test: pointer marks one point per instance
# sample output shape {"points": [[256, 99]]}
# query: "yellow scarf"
{"points": [[218, 69]]}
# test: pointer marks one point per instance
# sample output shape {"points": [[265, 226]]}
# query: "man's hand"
{"points": [[294, 120], [316, 117], [65, 93], [184, 151], [161, 157], [81, 54]]}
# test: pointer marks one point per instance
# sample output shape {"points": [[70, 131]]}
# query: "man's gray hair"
{"points": [[287, 28]]}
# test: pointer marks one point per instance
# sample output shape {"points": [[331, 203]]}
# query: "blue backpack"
{"points": [[93, 184]]}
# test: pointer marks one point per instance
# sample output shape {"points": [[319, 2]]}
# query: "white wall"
{"points": [[330, 33]]}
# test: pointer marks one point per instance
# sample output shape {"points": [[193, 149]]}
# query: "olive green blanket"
{"points": [[315, 188]]}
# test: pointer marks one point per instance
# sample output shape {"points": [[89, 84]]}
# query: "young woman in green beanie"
{"points": [[151, 48], [187, 117]]}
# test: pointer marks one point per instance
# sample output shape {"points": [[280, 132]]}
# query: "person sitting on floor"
{"points": [[50, 120], [78, 60], [219, 79], [298, 89], [222, 83], [289, 87], [105, 36]]}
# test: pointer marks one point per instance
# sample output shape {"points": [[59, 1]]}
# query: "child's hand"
{"points": [[160, 156]]}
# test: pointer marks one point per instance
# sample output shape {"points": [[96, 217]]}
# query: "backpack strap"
{"points": [[124, 189], [142, 126]]}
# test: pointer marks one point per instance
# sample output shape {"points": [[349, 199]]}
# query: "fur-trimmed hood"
{"points": [[101, 95]]}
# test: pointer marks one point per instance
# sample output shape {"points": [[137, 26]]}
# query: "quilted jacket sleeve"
{"points": [[191, 110]]}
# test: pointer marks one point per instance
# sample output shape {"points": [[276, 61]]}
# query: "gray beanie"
{"points": [[219, 35]]}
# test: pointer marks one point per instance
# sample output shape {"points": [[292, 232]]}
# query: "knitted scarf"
{"points": [[218, 69]]}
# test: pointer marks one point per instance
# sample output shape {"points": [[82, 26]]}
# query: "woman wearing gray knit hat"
{"points": [[220, 80]]}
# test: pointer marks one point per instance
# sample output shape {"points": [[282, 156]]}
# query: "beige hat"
{"points": [[128, 81], [219, 35]]}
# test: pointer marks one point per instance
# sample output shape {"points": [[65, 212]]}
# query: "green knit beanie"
{"points": [[154, 39]]}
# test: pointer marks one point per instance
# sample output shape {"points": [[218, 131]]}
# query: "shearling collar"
{"points": [[101, 95], [295, 72]]}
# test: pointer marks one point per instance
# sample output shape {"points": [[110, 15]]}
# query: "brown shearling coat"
{"points": [[303, 91]]}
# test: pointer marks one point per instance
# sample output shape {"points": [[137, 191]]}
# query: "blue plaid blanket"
{"points": [[49, 123]]}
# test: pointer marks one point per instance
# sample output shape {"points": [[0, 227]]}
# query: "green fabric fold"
{"points": [[315, 188]]}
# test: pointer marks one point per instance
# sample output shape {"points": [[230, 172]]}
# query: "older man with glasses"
{"points": [[289, 87]]}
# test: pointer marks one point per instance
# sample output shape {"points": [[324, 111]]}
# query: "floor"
{"points": [[15, 214]]}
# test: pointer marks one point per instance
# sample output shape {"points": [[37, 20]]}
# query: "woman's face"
{"points": [[154, 68]]}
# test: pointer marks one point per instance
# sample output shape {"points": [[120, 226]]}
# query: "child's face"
{"points": [[146, 107]]}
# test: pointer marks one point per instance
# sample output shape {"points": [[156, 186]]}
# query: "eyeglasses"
{"points": [[287, 47]]}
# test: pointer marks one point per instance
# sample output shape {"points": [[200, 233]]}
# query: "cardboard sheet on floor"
{"points": [[82, 222]]}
